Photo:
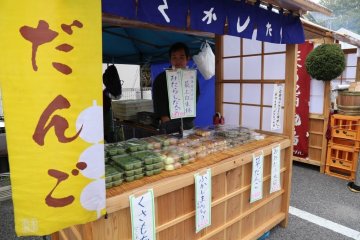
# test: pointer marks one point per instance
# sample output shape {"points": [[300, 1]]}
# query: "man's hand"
{"points": [[164, 119]]}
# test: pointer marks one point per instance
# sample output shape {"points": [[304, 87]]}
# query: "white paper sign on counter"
{"points": [[276, 106], [181, 85], [275, 170], [257, 178], [189, 92], [143, 216], [202, 200]]}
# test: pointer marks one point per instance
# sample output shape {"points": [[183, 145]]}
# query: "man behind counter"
{"points": [[179, 57]]}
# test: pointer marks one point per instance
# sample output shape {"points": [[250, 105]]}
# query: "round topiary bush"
{"points": [[326, 62]]}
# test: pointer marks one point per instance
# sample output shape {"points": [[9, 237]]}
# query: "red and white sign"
{"points": [[301, 134]]}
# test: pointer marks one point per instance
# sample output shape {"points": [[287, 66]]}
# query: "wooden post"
{"points": [[289, 113], [326, 112], [218, 73], [358, 66]]}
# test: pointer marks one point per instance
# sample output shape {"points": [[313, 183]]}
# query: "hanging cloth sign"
{"points": [[210, 16], [54, 133], [207, 15], [257, 178], [202, 200], [164, 12], [125, 9], [241, 19], [301, 133], [276, 107], [269, 26], [143, 216], [275, 184], [181, 85], [292, 31]]}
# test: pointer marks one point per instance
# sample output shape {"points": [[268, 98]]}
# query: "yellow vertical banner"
{"points": [[51, 82]]}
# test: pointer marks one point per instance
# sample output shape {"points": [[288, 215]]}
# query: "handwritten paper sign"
{"points": [[276, 106], [275, 170], [181, 84], [203, 200], [257, 178], [142, 216]]}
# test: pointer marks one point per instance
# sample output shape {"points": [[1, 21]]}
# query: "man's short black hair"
{"points": [[178, 46]]}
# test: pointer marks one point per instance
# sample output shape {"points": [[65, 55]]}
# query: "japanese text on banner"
{"points": [[275, 184], [203, 200], [53, 132], [257, 178], [301, 126], [181, 86], [143, 216]]}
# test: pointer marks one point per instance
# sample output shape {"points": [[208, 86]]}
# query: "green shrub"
{"points": [[326, 62]]}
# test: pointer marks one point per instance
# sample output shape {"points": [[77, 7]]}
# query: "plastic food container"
{"points": [[129, 173], [184, 162], [111, 174], [112, 151], [127, 162], [117, 182], [163, 139], [148, 157], [171, 167], [156, 144], [202, 132], [121, 150], [129, 179], [158, 165], [149, 167], [149, 173], [138, 176], [138, 171], [157, 171]]}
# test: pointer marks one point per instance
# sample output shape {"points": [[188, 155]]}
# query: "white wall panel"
{"points": [[231, 92], [272, 47], [351, 59], [251, 68], [349, 72], [250, 117], [231, 113], [274, 66], [231, 46], [268, 94], [316, 96], [251, 93], [251, 46], [232, 69]]}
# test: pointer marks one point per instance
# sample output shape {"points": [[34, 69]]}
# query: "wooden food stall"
{"points": [[233, 217], [232, 214]]}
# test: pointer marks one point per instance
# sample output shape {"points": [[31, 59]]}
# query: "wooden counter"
{"points": [[233, 217]]}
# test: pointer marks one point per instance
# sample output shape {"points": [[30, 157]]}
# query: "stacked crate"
{"points": [[128, 109], [343, 148]]}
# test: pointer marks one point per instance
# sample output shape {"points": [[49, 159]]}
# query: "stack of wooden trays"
{"points": [[344, 146]]}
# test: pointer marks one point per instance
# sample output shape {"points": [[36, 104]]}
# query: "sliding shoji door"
{"points": [[249, 71]]}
